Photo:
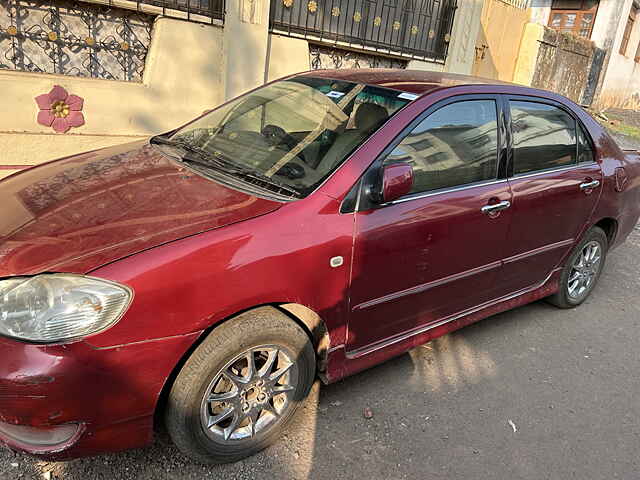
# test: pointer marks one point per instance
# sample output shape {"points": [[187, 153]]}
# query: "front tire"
{"points": [[241, 387], [582, 270]]}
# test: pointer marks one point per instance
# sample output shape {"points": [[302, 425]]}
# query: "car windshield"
{"points": [[293, 133]]}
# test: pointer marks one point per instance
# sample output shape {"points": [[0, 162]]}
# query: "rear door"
{"points": [[555, 184]]}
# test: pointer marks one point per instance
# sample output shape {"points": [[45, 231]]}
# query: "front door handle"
{"points": [[496, 207], [590, 185]]}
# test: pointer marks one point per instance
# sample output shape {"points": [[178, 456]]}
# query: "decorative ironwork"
{"points": [[405, 28], [195, 9], [325, 57], [71, 38], [521, 4]]}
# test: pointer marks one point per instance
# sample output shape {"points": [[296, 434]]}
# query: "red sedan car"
{"points": [[318, 225]]}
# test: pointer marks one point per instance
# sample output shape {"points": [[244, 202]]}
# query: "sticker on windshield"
{"points": [[334, 94], [408, 96]]}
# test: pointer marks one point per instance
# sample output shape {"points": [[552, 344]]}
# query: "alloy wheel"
{"points": [[249, 394], [584, 270]]}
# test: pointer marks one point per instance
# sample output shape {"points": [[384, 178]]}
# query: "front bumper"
{"points": [[110, 394]]}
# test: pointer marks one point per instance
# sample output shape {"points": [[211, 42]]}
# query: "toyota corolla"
{"points": [[315, 226]]}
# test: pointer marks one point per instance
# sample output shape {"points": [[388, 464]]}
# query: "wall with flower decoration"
{"points": [[77, 76], [99, 86]]}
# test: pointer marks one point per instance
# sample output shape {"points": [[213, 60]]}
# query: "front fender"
{"points": [[192, 284]]}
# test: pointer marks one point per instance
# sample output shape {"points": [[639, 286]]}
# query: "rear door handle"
{"points": [[496, 207], [590, 185]]}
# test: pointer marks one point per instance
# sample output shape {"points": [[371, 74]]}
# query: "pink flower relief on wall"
{"points": [[60, 110]]}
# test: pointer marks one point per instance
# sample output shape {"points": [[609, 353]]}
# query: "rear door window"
{"points": [[544, 137], [585, 150]]}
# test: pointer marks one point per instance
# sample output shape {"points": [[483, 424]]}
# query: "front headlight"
{"points": [[57, 307]]}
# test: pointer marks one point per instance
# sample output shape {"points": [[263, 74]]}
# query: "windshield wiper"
{"points": [[159, 140], [212, 161], [203, 158]]}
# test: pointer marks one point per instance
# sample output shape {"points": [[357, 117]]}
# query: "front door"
{"points": [[437, 251], [556, 184]]}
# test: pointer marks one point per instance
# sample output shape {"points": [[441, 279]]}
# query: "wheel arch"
{"points": [[307, 318], [315, 327], [609, 226]]}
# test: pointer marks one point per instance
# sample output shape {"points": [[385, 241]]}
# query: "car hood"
{"points": [[81, 212]]}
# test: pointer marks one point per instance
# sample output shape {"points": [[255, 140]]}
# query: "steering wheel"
{"points": [[276, 135]]}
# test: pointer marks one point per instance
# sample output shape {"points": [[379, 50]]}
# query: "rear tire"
{"points": [[222, 409], [582, 270]]}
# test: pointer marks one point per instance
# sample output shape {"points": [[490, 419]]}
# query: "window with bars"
{"points": [[628, 29], [406, 28], [521, 4], [574, 16], [71, 38]]}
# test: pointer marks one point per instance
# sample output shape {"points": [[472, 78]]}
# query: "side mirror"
{"points": [[397, 181]]}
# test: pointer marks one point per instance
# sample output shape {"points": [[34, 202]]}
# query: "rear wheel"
{"points": [[582, 270], [240, 387]]}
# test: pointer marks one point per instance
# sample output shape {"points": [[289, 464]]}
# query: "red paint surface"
{"points": [[196, 252], [419, 244], [397, 180], [76, 214]]}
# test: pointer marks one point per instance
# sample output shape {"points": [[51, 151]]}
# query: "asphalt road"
{"points": [[535, 393]]}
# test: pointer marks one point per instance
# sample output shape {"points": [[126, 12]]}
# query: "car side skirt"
{"points": [[347, 363]]}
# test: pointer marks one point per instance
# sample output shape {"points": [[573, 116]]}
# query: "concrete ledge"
{"points": [[6, 173], [31, 149]]}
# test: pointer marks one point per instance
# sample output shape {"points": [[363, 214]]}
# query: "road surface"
{"points": [[535, 393]]}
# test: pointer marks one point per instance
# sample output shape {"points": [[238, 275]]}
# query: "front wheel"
{"points": [[582, 270], [240, 387]]}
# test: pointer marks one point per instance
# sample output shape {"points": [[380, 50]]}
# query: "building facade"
{"points": [[614, 27], [76, 76]]}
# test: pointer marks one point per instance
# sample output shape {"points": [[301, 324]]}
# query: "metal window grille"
{"points": [[69, 38], [321, 57], [206, 11], [407, 28], [628, 29], [521, 4]]}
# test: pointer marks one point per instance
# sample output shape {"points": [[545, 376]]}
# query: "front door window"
{"points": [[454, 146]]}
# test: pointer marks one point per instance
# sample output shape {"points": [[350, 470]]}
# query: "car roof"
{"points": [[410, 81]]}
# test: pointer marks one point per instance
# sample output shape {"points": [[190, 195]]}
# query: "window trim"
{"points": [[440, 191], [589, 140], [527, 98], [357, 199], [628, 29], [372, 174], [542, 172]]}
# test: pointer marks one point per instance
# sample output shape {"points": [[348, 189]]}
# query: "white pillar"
{"points": [[466, 26], [246, 33]]}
